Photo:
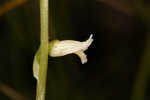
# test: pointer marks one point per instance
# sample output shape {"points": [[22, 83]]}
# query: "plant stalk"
{"points": [[143, 74], [41, 83], [141, 82]]}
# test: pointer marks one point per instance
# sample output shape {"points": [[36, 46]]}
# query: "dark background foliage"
{"points": [[120, 36]]}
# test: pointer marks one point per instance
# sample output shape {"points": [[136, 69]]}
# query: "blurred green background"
{"points": [[120, 29]]}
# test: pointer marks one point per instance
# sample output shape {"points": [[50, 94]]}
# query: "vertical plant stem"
{"points": [[141, 82], [143, 74], [41, 83]]}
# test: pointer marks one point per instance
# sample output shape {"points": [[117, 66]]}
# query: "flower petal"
{"points": [[82, 56], [87, 43], [66, 47]]}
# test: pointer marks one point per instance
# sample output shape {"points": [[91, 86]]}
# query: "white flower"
{"points": [[64, 47]]}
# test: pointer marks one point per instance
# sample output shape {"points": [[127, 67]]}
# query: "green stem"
{"points": [[142, 78], [41, 83], [141, 81]]}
